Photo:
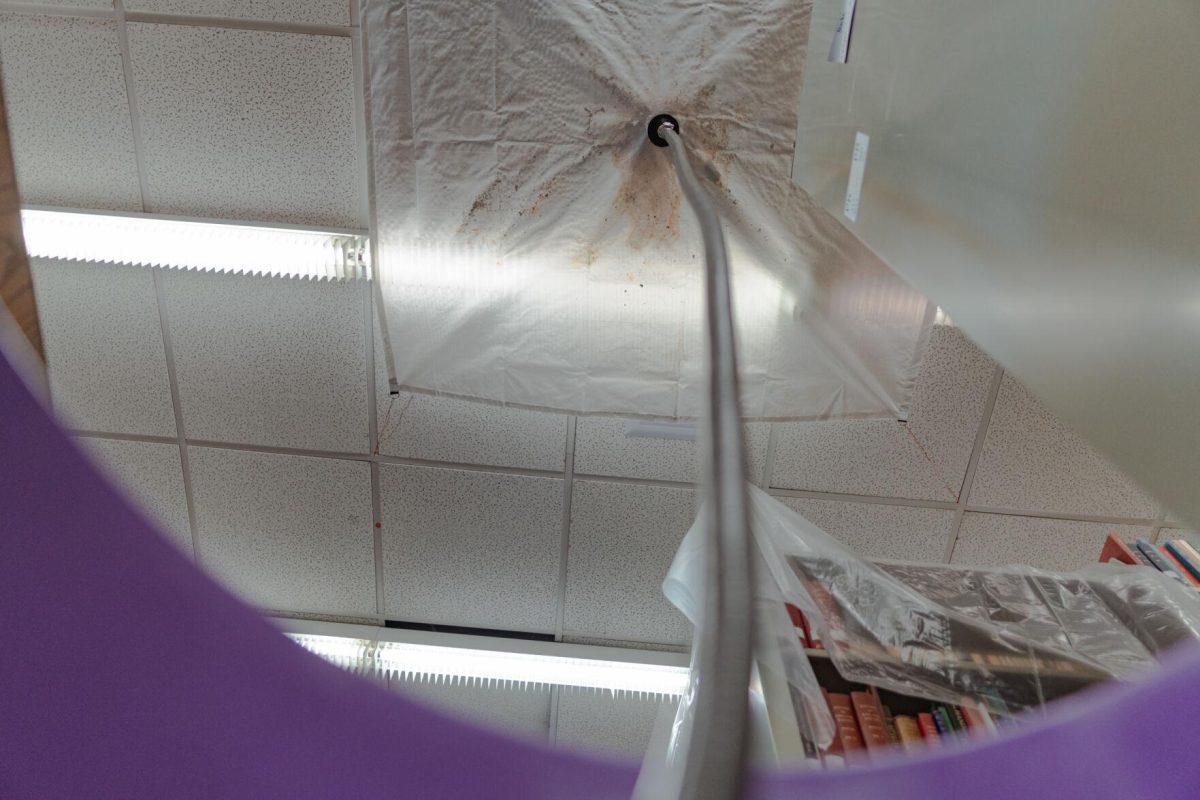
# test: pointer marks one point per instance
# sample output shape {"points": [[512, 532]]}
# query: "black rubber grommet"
{"points": [[657, 121]]}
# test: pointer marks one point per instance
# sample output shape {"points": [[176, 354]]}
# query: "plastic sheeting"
{"points": [[531, 246], [1013, 637]]}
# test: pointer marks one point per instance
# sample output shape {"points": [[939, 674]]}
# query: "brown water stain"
{"points": [[649, 196]]}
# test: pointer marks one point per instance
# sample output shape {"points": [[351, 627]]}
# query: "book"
{"points": [[800, 623], [870, 720], [959, 721], [928, 728], [848, 740], [1167, 554], [889, 722], [941, 715], [979, 722], [1142, 559], [1156, 560], [1175, 549], [908, 732], [1116, 550]]}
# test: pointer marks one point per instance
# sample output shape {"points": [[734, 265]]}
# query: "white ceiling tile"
{"points": [[287, 532], [1033, 462], [444, 429], [603, 447], [64, 91], [607, 723], [1054, 544], [518, 711], [247, 124], [880, 531], [623, 538], [152, 476], [463, 432], [471, 548], [277, 362], [104, 345], [923, 459], [313, 12]]}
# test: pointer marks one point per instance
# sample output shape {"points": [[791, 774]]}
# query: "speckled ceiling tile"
{"points": [[104, 346], [623, 538], [872, 530], [287, 532], [278, 362], [473, 548], [314, 12], [247, 124], [64, 91], [1032, 462], [925, 459], [1054, 544], [603, 447], [152, 476], [602, 722], [516, 711], [463, 432]]}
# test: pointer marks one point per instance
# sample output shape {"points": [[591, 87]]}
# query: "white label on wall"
{"points": [[858, 163], [839, 50]]}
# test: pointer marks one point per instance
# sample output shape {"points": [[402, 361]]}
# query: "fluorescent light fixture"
{"points": [[515, 668], [179, 243]]}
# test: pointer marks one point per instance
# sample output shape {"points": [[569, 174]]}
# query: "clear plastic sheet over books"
{"points": [[1011, 637], [532, 249]]}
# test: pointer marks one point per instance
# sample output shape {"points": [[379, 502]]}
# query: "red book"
{"points": [[870, 720], [979, 722], [928, 728], [1116, 550], [1167, 554], [847, 741], [801, 622]]}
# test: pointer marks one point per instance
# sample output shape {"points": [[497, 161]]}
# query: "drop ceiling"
{"points": [[248, 413]]}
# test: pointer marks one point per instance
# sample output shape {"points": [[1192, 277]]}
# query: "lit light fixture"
{"points": [[521, 664], [178, 243]]}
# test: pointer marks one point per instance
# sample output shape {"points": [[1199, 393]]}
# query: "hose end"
{"points": [[656, 122]]}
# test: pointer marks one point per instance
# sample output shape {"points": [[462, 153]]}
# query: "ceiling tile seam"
{"points": [[964, 493], [48, 10], [842, 497], [360, 129], [1065, 517], [164, 324], [362, 104], [372, 435], [135, 119], [895, 502], [564, 540], [234, 23]]}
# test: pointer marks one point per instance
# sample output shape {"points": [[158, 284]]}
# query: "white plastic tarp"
{"points": [[532, 245]]}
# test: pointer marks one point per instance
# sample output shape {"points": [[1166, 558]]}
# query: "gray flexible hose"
{"points": [[714, 757]]}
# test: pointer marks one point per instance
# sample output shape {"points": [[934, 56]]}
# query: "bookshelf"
{"points": [[1027, 677]]}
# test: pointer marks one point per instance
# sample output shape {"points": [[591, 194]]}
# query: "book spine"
{"points": [[1176, 549], [870, 720], [889, 722], [1141, 557], [848, 736], [942, 717], [908, 732], [1167, 554], [960, 722], [979, 722], [1157, 560], [928, 727]]}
